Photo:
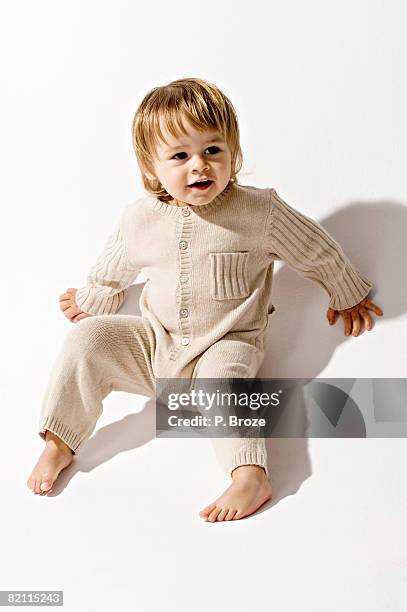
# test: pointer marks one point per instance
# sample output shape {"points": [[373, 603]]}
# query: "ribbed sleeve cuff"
{"points": [[354, 291], [94, 300]]}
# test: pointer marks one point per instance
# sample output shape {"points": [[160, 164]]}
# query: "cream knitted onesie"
{"points": [[205, 307]]}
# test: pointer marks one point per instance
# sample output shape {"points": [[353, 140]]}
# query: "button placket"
{"points": [[184, 292]]}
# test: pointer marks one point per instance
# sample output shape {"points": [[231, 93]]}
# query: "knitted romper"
{"points": [[205, 307]]}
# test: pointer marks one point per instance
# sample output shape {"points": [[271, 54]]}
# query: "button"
{"points": [[185, 341], [183, 313], [186, 212], [183, 278], [183, 245]]}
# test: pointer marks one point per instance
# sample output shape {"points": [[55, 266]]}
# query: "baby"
{"points": [[207, 246]]}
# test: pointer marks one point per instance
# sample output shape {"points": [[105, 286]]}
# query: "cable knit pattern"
{"points": [[108, 280]]}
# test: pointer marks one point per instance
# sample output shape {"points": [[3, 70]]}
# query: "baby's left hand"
{"points": [[352, 316]]}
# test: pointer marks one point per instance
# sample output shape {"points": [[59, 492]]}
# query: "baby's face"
{"points": [[189, 158]]}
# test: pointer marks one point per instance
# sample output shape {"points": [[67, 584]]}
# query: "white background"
{"points": [[319, 88]]}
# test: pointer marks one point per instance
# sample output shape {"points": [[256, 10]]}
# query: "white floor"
{"points": [[122, 528]]}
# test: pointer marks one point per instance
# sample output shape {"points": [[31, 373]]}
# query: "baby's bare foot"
{"points": [[54, 458], [249, 490]]}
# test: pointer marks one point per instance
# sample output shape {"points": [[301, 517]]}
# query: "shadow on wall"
{"points": [[300, 342]]}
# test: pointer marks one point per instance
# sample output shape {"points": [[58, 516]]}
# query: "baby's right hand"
{"points": [[68, 306]]}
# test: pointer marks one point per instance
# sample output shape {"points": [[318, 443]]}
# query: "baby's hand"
{"points": [[352, 316], [68, 306]]}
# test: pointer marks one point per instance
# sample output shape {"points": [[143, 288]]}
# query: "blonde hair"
{"points": [[203, 104]]}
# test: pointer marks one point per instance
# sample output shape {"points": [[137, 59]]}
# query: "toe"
{"points": [[222, 514], [46, 485], [37, 486], [213, 515], [230, 514], [238, 515], [207, 510]]}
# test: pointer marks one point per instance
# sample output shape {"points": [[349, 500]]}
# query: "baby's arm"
{"points": [[308, 248], [109, 279]]}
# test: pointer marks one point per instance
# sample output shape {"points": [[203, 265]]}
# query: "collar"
{"points": [[172, 209]]}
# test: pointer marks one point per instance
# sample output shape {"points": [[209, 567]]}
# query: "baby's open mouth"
{"points": [[201, 184]]}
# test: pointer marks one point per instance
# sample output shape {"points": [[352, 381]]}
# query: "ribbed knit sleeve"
{"points": [[308, 249], [109, 279]]}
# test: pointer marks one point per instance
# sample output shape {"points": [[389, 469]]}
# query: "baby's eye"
{"points": [[175, 156], [214, 151]]}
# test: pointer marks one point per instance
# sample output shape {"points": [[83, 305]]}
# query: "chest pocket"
{"points": [[229, 275]]}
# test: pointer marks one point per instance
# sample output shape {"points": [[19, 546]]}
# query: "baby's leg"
{"points": [[100, 354], [245, 458]]}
